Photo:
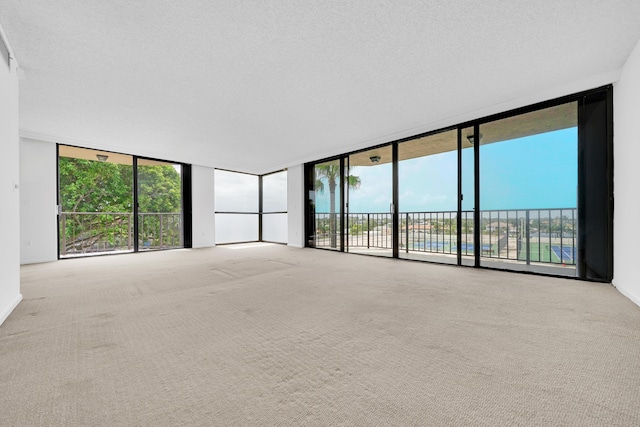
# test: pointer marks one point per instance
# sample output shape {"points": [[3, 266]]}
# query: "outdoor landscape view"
{"points": [[528, 196], [97, 197]]}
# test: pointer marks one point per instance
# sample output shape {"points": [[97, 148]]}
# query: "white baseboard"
{"points": [[37, 261], [210, 245], [4, 313], [633, 297]]}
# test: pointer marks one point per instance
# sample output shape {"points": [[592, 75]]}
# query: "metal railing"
{"points": [[526, 235], [159, 230], [100, 232], [327, 226], [373, 230]]}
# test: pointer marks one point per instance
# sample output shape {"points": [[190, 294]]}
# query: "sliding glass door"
{"points": [[499, 194], [528, 191], [97, 210], [95, 202], [369, 204], [466, 222], [326, 201], [159, 199], [428, 198]]}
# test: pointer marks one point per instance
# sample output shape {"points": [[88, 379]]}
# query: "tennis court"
{"points": [[439, 246], [468, 247], [545, 252], [430, 245], [564, 253]]}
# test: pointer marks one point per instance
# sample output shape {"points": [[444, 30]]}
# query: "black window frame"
{"points": [[260, 212], [186, 201], [595, 181]]}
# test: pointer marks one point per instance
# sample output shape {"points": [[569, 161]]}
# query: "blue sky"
{"points": [[538, 171]]}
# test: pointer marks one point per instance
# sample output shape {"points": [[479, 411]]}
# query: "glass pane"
{"points": [[236, 228], [96, 195], [428, 197], [235, 192], [274, 228], [369, 182], [159, 205], [274, 192], [528, 191], [468, 197], [325, 205]]}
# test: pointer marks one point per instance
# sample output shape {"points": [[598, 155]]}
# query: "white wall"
{"points": [[295, 205], [203, 206], [38, 219], [10, 295], [626, 146]]}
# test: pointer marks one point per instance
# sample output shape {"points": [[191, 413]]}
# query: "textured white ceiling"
{"points": [[259, 85]]}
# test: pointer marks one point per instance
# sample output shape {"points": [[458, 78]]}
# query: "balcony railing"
{"points": [[100, 232], [527, 235]]}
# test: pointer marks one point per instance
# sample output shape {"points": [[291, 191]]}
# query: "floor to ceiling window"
{"points": [[160, 215], [428, 197], [466, 222], [95, 200], [274, 207], [236, 205], [250, 208], [98, 212], [325, 204], [369, 204], [528, 190]]}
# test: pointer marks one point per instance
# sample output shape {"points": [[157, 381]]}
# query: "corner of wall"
{"points": [[38, 213], [6, 311], [626, 148], [203, 219], [295, 206], [629, 293], [10, 295]]}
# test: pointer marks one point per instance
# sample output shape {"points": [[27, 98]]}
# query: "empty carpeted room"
{"points": [[319, 213]]}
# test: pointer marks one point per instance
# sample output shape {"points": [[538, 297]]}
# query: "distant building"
{"points": [[420, 228], [496, 226]]}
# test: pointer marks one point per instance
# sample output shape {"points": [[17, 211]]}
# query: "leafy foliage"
{"points": [[97, 204], [159, 189], [90, 186]]}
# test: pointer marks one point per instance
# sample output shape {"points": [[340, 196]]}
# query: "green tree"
{"points": [[331, 173], [90, 186], [97, 201], [159, 196], [159, 189], [96, 198]]}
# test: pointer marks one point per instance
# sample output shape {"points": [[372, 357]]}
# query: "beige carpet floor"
{"points": [[269, 335]]}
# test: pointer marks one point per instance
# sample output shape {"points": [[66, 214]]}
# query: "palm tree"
{"points": [[331, 173]]}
